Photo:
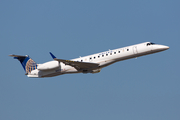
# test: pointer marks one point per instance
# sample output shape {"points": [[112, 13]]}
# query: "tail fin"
{"points": [[27, 63]]}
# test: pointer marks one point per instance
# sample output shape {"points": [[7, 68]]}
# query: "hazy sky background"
{"points": [[147, 88]]}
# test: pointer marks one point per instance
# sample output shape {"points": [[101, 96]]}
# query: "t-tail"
{"points": [[27, 63]]}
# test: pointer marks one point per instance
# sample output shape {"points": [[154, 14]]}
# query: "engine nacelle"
{"points": [[48, 65], [96, 71]]}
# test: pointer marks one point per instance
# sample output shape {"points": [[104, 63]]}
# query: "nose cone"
{"points": [[163, 47], [160, 47]]}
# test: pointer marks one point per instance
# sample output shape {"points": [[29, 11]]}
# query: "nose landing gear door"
{"points": [[135, 51]]}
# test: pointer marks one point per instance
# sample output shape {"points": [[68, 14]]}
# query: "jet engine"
{"points": [[49, 65], [96, 71]]}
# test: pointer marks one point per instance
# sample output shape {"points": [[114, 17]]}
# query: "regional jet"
{"points": [[87, 64]]}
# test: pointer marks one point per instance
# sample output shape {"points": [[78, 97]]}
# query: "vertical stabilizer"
{"points": [[27, 63]]}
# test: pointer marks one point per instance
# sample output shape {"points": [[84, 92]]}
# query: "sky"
{"points": [[146, 88]]}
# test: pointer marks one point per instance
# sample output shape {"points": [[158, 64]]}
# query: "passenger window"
{"points": [[90, 58], [106, 54], [94, 57], [127, 49], [119, 51], [114, 52], [110, 53], [81, 60], [98, 56], [102, 55]]}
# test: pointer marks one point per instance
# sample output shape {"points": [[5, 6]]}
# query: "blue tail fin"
{"points": [[27, 63]]}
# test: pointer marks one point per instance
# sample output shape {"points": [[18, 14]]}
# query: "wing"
{"points": [[79, 65]]}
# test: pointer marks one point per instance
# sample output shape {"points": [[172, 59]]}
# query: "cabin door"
{"points": [[135, 49]]}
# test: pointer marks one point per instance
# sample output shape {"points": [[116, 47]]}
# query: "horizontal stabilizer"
{"points": [[17, 56]]}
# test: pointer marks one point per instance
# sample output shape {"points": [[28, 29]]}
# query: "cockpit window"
{"points": [[153, 43], [150, 43]]}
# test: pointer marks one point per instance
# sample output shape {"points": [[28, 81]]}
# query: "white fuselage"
{"points": [[103, 59]]}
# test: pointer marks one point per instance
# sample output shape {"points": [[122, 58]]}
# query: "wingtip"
{"points": [[52, 55], [12, 55]]}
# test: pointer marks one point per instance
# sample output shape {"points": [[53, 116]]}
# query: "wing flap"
{"points": [[78, 65]]}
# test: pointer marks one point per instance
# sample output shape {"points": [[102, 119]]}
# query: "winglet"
{"points": [[52, 55]]}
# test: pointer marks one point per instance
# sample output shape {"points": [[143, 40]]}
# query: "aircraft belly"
{"points": [[57, 72]]}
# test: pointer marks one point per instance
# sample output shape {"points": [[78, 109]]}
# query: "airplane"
{"points": [[87, 64]]}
